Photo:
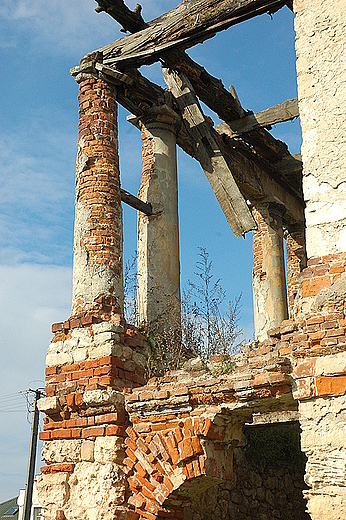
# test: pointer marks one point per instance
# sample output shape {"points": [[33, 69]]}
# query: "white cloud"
{"points": [[32, 298], [71, 27], [37, 186]]}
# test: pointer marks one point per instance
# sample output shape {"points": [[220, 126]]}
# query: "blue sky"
{"points": [[39, 42]]}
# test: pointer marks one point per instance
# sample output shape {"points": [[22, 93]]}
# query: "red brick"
{"points": [[50, 371], [58, 468], [315, 320], [115, 430], [75, 323], [93, 431], [105, 370], [87, 320], [107, 360], [56, 327], [313, 287], [44, 436], [330, 324], [336, 332], [105, 381], [140, 470], [70, 400], [92, 363], [196, 446], [70, 368], [313, 336], [61, 434], [131, 433], [129, 462], [336, 269], [330, 385], [117, 362], [106, 418], [305, 368], [76, 433], [78, 399]]}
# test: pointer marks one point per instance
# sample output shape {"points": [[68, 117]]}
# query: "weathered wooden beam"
{"points": [[257, 183], [185, 26], [136, 203], [266, 118], [210, 156]]}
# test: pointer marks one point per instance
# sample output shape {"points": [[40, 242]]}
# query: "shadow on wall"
{"points": [[267, 483]]}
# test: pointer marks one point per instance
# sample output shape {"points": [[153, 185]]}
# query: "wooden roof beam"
{"points": [[217, 170], [183, 27], [209, 89], [280, 113]]}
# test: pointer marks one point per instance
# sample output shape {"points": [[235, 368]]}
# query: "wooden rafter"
{"points": [[209, 90], [136, 203], [261, 165], [210, 156], [285, 111], [185, 26]]}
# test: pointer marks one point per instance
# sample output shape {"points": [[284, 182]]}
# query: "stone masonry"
{"points": [[120, 446]]}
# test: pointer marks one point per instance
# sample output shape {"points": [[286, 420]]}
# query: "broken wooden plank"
{"points": [[210, 156], [136, 203], [280, 113], [185, 26]]}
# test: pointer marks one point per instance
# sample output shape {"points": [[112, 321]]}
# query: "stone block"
{"points": [[87, 451], [61, 451], [102, 397], [109, 449], [49, 405]]}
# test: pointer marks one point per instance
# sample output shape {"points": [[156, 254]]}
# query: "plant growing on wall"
{"points": [[209, 323]]}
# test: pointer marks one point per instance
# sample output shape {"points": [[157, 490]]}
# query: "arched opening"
{"points": [[268, 479]]}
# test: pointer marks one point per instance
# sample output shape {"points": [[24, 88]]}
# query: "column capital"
{"points": [[87, 68], [161, 116]]}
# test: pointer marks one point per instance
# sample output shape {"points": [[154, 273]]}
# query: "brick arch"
{"points": [[163, 465]]}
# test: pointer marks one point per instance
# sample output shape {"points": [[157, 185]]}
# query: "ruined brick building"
{"points": [[266, 439]]}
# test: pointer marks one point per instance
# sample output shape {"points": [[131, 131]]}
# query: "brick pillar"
{"points": [[296, 262], [158, 266], [93, 360], [268, 277], [97, 263]]}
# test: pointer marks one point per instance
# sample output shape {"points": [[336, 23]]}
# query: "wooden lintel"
{"points": [[183, 27], [134, 202], [210, 156], [266, 118]]}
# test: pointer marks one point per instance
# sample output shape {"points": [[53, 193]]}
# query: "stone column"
{"points": [[158, 266], [268, 277], [97, 262]]}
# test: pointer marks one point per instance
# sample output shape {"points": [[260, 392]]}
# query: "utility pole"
{"points": [[32, 458]]}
